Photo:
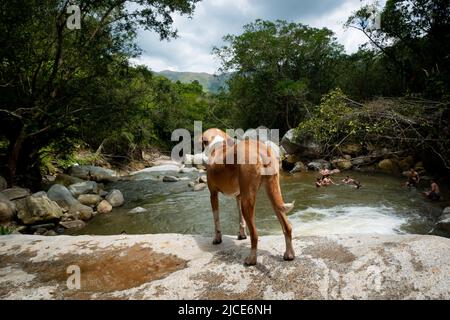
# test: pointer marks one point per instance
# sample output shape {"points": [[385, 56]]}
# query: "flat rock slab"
{"points": [[171, 266]]}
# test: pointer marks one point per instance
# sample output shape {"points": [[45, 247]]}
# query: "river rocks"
{"points": [[104, 207], [39, 194], [200, 187], [352, 149], [83, 188], [194, 160], [16, 193], [76, 224], [389, 166], [299, 167], [66, 180], [33, 210], [7, 209], [3, 183], [344, 267], [157, 169], [342, 164], [62, 196], [318, 165], [137, 210], [446, 211], [361, 161], [90, 199], [170, 179], [81, 211], [203, 179], [98, 174], [115, 198]]}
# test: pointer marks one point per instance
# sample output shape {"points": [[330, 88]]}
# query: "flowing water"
{"points": [[381, 206]]}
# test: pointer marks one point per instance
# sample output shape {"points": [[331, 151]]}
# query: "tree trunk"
{"points": [[13, 156]]}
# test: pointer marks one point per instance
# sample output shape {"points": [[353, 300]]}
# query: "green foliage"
{"points": [[209, 82], [5, 230], [54, 79], [281, 70]]}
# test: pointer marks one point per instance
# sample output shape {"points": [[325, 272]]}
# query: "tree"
{"points": [[414, 39], [52, 77], [281, 70]]}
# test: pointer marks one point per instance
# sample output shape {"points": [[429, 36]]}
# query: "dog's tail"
{"points": [[273, 190]]}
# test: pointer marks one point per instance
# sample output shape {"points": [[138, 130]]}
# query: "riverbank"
{"points": [[173, 266]]}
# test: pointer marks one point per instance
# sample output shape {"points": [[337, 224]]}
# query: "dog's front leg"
{"points": [[241, 235], [215, 210]]}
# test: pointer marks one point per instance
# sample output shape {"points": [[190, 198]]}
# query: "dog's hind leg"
{"points": [[281, 209], [248, 211], [215, 209], [241, 235]]}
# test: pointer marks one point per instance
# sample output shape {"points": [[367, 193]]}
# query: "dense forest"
{"points": [[62, 89]]}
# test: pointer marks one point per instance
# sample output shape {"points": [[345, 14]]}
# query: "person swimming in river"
{"points": [[318, 182], [413, 178], [435, 193], [349, 180]]}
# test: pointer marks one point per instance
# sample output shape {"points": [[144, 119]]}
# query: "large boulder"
{"points": [[83, 188], [444, 224], [342, 164], [76, 224], [90, 199], [62, 196], [66, 180], [16, 193], [352, 149], [307, 148], [299, 167], [318, 165], [38, 209], [115, 198], [339, 267], [3, 184], [389, 166], [80, 211], [289, 144], [7, 209], [98, 174]]}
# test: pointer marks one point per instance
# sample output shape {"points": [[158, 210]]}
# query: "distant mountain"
{"points": [[210, 82]]}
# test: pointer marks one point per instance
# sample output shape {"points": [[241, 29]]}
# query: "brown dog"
{"points": [[239, 170]]}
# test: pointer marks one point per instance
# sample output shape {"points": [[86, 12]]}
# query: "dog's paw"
{"points": [[250, 261], [288, 256], [242, 237], [217, 241]]}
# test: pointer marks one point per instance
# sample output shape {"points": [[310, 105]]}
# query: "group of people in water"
{"points": [[413, 181], [326, 180]]}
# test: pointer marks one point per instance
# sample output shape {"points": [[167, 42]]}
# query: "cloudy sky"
{"points": [[213, 19]]}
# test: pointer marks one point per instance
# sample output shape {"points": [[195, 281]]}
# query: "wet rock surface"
{"points": [[172, 266]]}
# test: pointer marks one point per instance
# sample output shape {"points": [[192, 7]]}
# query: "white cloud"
{"points": [[215, 18]]}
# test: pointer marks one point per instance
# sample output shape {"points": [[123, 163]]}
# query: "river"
{"points": [[381, 206]]}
